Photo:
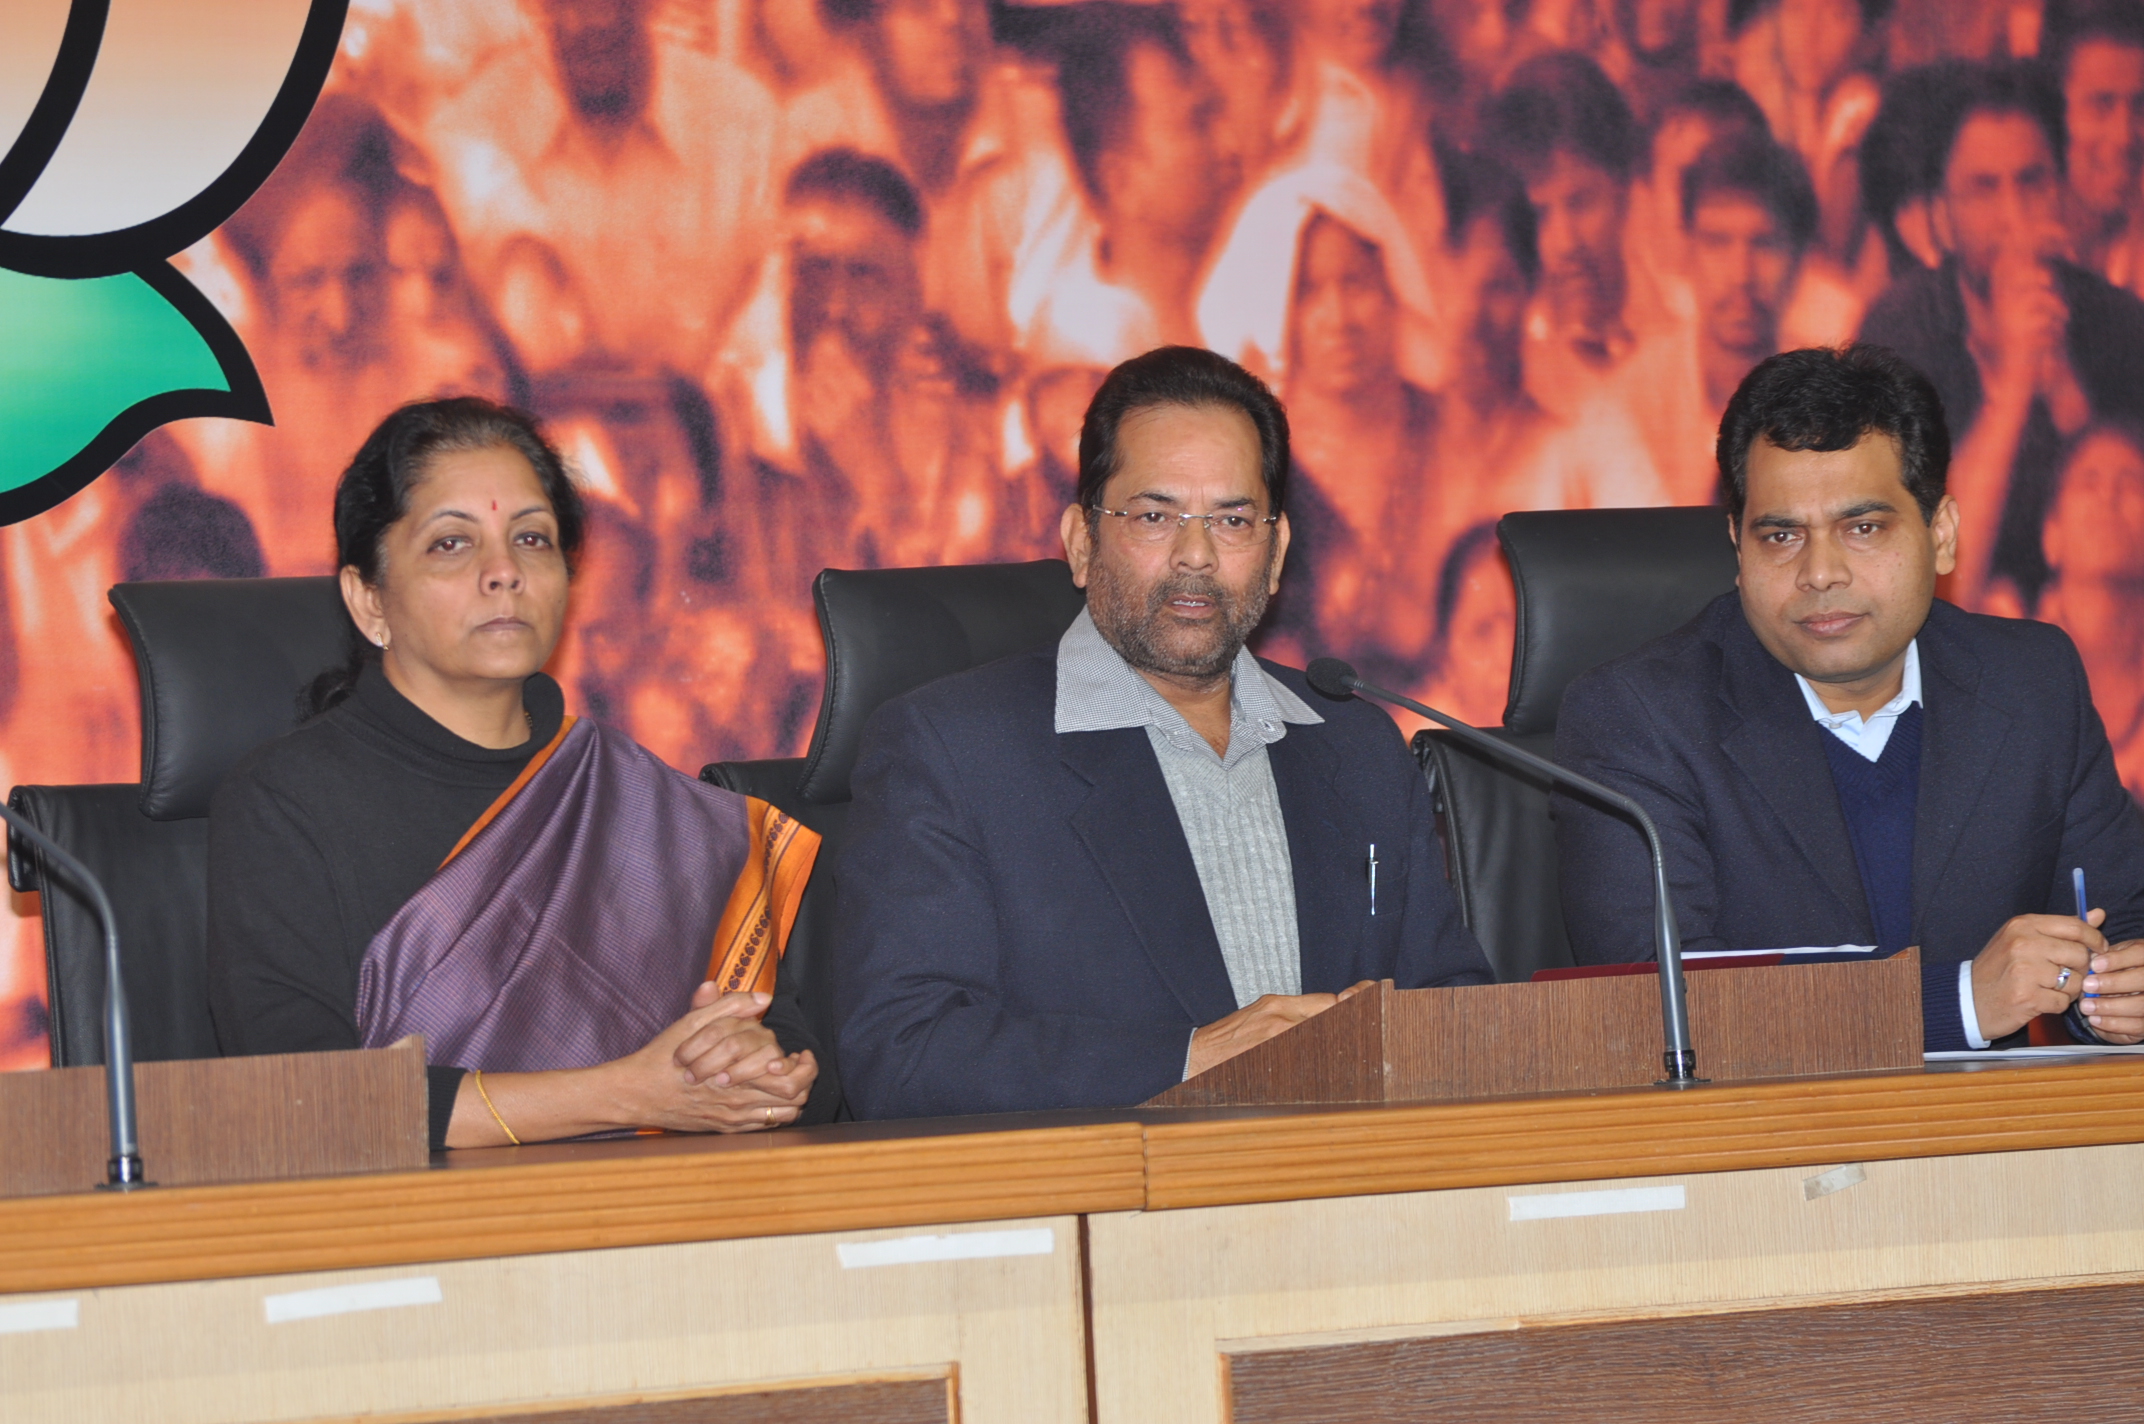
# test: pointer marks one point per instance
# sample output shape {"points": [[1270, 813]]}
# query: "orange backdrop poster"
{"points": [[811, 283]]}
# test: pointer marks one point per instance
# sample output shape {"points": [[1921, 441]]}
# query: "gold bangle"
{"points": [[479, 1076]]}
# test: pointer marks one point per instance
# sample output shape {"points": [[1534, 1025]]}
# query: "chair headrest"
{"points": [[222, 663], [1594, 584], [889, 631]]}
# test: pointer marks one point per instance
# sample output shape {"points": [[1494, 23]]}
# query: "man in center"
{"points": [[1081, 874]]}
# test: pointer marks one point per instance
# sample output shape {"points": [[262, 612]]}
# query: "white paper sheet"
{"points": [[958, 1246], [40, 1315], [1553, 1205], [2011, 1055], [345, 1300]]}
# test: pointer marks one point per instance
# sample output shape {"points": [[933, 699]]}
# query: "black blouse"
{"points": [[316, 840]]}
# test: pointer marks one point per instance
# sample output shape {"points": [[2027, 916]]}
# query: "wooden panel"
{"points": [[536, 1335], [1175, 1291], [579, 1197], [1417, 1044], [1987, 1356], [1843, 1018], [1745, 1024], [570, 1200], [912, 1401], [221, 1119], [1583, 1136]]}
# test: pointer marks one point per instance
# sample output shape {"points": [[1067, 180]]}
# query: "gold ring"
{"points": [[770, 1116]]}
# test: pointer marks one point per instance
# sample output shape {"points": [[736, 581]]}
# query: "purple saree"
{"points": [[581, 911]]}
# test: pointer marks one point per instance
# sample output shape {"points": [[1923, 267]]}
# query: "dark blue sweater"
{"points": [[1879, 798]]}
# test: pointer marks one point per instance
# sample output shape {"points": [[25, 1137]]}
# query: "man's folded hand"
{"points": [[1264, 1017]]}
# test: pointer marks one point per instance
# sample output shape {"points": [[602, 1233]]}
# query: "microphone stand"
{"points": [[124, 1172], [1679, 1058]]}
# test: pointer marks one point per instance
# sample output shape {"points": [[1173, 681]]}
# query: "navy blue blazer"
{"points": [[1709, 732], [1019, 923]]}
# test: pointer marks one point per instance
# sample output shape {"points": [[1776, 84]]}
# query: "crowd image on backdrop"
{"points": [[810, 283]]}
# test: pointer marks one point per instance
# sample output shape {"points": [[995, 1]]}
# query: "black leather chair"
{"points": [[887, 631], [222, 663], [1593, 584]]}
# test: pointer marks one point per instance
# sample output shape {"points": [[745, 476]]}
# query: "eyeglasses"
{"points": [[1230, 529]]}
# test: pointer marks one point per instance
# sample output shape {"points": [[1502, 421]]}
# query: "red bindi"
{"points": [[494, 506]]}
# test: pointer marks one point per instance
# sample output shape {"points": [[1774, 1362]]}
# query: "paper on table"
{"points": [[1804, 949], [1718, 959], [2064, 1050]]}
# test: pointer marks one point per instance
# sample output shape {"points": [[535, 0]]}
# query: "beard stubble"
{"points": [[1136, 624]]}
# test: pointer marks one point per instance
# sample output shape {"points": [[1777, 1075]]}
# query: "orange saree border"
{"points": [[528, 774], [762, 906]]}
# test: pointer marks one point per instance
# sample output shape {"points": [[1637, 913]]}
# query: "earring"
{"points": [[383, 639]]}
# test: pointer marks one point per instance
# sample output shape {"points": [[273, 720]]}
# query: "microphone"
{"points": [[1335, 679], [124, 1172]]}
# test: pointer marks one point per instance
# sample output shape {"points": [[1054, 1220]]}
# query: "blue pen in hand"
{"points": [[2083, 907]]}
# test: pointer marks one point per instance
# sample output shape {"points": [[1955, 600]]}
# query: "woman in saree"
{"points": [[586, 938]]}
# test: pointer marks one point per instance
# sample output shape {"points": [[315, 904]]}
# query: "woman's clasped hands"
{"points": [[719, 1069]]}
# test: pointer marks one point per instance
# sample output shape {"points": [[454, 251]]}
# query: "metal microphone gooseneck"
{"points": [[1336, 679], [124, 1172]]}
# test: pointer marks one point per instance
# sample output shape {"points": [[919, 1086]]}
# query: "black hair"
{"points": [[2024, 88], [181, 532], [1752, 164], [1721, 100], [695, 416], [1561, 102], [847, 14], [1478, 188], [2070, 25], [845, 175], [1741, 12], [1828, 398], [1452, 578], [1179, 375], [2126, 428], [1896, 168], [374, 492], [1094, 77], [346, 146]]}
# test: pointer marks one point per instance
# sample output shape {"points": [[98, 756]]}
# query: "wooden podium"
{"points": [[1392, 1045], [221, 1119]]}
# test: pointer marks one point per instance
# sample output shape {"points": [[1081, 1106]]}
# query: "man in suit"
{"points": [[1833, 756], [1082, 874]]}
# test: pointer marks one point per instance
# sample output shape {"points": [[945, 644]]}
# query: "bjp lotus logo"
{"points": [[154, 123]]}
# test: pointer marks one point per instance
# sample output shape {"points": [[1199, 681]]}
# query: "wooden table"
{"points": [[1386, 1263]]}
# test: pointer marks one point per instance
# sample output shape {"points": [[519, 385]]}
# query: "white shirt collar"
{"points": [[1868, 735], [1098, 691]]}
